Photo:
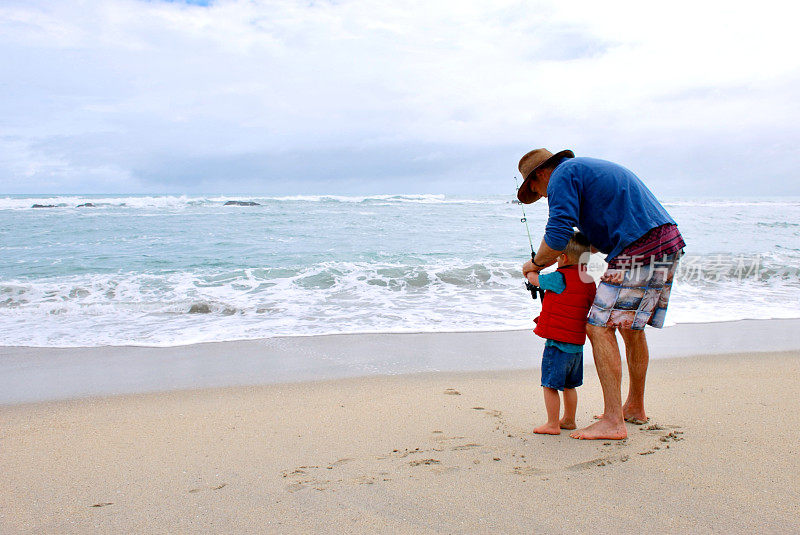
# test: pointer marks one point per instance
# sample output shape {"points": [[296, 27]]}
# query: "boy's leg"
{"points": [[570, 407], [573, 380], [638, 357], [552, 404]]}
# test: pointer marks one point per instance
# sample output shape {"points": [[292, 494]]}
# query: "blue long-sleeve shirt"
{"points": [[607, 202]]}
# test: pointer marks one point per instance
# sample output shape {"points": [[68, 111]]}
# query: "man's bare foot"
{"points": [[547, 429], [567, 424], [602, 429], [636, 418], [636, 421], [634, 415]]}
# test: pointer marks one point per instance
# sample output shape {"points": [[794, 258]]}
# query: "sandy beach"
{"points": [[434, 452], [275, 267]]}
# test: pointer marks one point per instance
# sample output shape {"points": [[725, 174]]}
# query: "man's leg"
{"points": [[608, 362], [638, 357]]}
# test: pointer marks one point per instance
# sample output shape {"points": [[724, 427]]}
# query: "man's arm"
{"points": [[563, 204], [545, 256], [563, 207]]}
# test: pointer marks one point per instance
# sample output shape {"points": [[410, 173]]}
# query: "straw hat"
{"points": [[531, 162]]}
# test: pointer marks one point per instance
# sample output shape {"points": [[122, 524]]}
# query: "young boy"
{"points": [[569, 292]]}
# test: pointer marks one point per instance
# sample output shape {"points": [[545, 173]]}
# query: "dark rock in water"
{"points": [[86, 205], [241, 203], [201, 308], [515, 201], [43, 206]]}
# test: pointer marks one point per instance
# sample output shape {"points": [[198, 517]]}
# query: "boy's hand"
{"points": [[533, 277]]}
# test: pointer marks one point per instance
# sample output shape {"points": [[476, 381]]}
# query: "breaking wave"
{"points": [[174, 270], [336, 297]]}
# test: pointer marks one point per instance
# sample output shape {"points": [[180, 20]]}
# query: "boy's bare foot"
{"points": [[567, 424], [547, 429], [602, 429]]}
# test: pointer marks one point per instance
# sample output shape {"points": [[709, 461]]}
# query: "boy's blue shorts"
{"points": [[561, 370]]}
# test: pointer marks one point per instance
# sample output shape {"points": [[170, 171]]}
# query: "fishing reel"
{"points": [[534, 290]]}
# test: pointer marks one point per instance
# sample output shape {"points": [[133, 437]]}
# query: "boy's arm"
{"points": [[553, 282]]}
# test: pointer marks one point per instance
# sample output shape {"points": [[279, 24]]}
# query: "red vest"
{"points": [[563, 316]]}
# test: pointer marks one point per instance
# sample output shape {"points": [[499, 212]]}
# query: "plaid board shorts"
{"points": [[632, 296]]}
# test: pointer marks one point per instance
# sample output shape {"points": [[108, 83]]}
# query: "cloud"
{"points": [[140, 96]]}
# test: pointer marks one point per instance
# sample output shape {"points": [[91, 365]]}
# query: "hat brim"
{"points": [[524, 193]]}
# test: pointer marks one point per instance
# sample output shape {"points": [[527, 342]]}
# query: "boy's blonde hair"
{"points": [[577, 248]]}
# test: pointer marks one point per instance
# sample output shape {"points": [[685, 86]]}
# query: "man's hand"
{"points": [[613, 276], [546, 256], [533, 277], [528, 267]]}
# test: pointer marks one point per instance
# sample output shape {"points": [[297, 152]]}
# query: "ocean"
{"points": [[167, 270]]}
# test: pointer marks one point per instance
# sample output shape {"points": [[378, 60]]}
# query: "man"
{"points": [[622, 219]]}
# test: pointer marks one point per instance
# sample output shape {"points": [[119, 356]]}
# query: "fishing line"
{"points": [[525, 220], [535, 290]]}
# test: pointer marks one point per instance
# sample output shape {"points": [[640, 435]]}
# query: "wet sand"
{"points": [[447, 452], [30, 374]]}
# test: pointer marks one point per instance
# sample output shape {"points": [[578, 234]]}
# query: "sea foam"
{"points": [[172, 270]]}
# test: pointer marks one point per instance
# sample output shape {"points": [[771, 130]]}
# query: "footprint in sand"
{"points": [[464, 447], [600, 461], [528, 471], [663, 439], [213, 487], [446, 454], [302, 479], [425, 462]]}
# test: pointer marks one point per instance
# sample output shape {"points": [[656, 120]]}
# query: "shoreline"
{"points": [[29, 374], [448, 452], [361, 333]]}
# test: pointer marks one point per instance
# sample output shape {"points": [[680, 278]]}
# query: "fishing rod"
{"points": [[535, 290]]}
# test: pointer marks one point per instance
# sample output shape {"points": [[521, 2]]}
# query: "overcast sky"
{"points": [[290, 97]]}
